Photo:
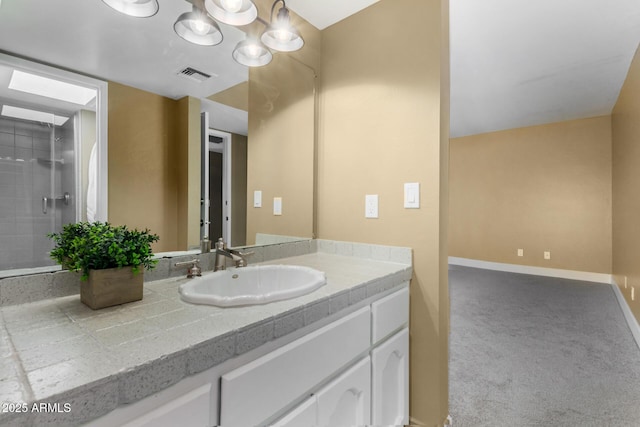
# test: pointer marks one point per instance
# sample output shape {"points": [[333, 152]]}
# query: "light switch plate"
{"points": [[257, 199], [277, 205], [412, 195], [371, 206]]}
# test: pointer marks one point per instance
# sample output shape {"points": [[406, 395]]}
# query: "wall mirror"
{"points": [[91, 39]]}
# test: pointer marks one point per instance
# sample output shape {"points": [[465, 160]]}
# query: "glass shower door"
{"points": [[37, 185]]}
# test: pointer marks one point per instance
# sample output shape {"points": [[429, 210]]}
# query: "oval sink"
{"points": [[258, 284]]}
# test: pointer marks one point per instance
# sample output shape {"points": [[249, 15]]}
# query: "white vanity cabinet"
{"points": [[390, 381], [390, 359], [352, 371], [345, 401], [371, 389]]}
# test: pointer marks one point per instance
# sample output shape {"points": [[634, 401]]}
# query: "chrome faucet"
{"points": [[222, 251]]}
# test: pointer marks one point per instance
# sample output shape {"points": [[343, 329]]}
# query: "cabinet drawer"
{"points": [[256, 391], [390, 314]]}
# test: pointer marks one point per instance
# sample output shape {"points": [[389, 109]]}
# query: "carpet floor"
{"points": [[537, 351]]}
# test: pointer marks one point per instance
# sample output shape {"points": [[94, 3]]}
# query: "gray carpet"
{"points": [[536, 351]]}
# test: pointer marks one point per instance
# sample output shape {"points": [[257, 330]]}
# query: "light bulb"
{"points": [[232, 6], [253, 51], [200, 27], [282, 35]]}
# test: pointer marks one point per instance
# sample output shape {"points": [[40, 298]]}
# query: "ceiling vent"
{"points": [[193, 74]]}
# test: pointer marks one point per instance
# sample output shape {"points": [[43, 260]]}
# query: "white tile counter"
{"points": [[58, 351]]}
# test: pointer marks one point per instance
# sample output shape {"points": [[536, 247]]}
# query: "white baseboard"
{"points": [[538, 271], [628, 314]]}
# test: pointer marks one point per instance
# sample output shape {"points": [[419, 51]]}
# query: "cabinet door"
{"points": [[390, 378], [260, 389], [305, 414], [191, 409], [346, 401]]}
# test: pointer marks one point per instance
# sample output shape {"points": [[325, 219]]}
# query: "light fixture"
{"points": [[200, 27], [33, 115], [252, 53], [137, 8], [232, 12], [280, 35], [197, 27], [50, 88]]}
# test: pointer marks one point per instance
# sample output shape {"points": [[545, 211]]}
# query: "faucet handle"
{"points": [[242, 262], [194, 267]]}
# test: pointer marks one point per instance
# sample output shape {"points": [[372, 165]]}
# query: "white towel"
{"points": [[92, 190]]}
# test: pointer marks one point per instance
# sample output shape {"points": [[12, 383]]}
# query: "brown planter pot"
{"points": [[112, 286]]}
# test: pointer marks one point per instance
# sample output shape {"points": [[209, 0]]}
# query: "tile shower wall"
{"points": [[25, 178]]}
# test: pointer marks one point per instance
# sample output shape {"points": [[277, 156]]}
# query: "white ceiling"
{"points": [[518, 63], [514, 63], [322, 14]]}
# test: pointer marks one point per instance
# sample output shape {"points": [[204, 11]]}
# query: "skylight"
{"points": [[51, 88], [33, 115]]}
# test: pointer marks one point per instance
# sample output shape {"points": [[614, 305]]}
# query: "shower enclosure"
{"points": [[37, 186]]}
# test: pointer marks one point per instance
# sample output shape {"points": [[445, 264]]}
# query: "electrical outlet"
{"points": [[277, 206], [633, 293], [547, 255], [371, 206], [520, 252]]}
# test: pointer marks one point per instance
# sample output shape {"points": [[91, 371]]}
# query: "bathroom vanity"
{"points": [[337, 356]]}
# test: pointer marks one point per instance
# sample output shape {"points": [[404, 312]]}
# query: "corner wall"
{"points": [[539, 188], [149, 172], [626, 187], [383, 121]]}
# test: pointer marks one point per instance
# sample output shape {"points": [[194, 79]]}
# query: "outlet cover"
{"points": [[520, 252], [547, 255], [277, 205], [371, 206]]}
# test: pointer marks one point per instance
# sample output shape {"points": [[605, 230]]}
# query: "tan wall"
{"points": [[143, 191], [280, 159], [238, 190], [188, 171], [540, 188], [626, 186], [383, 122], [236, 96]]}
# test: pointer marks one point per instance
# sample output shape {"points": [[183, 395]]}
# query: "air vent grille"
{"points": [[193, 74], [216, 139]]}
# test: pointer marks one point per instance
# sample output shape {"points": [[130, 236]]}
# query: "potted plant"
{"points": [[110, 258]]}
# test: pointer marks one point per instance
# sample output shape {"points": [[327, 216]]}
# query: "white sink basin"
{"points": [[258, 284]]}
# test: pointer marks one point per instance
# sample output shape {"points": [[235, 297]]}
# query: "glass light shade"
{"points": [[137, 8], [196, 27], [232, 12], [280, 35], [252, 53]]}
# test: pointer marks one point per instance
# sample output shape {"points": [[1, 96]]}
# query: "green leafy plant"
{"points": [[88, 246]]}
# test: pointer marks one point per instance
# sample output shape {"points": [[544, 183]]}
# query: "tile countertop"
{"points": [[58, 351]]}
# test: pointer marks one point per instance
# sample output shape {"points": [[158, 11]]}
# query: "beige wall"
{"points": [[236, 96], [238, 190], [146, 167], [188, 167], [280, 160], [383, 121], [540, 188], [626, 186]]}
